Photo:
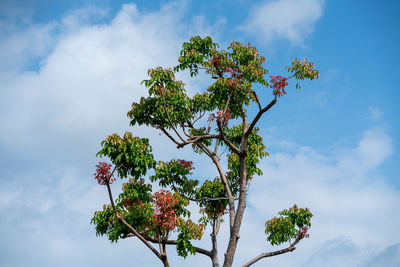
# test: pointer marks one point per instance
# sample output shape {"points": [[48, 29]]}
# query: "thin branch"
{"points": [[219, 72], [191, 140], [203, 148], [169, 118], [172, 138], [244, 120], [200, 116], [211, 122], [257, 100], [226, 141], [197, 138], [220, 128], [231, 200], [223, 152], [218, 224], [128, 225], [221, 172], [209, 198], [258, 116], [184, 131], [159, 245], [171, 242], [274, 253]]}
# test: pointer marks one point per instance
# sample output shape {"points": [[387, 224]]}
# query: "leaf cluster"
{"points": [[212, 208], [175, 175], [188, 230], [282, 229], [303, 70], [131, 155], [255, 152]]}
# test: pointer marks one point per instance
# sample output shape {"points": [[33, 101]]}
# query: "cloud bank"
{"points": [[291, 20], [354, 210]]}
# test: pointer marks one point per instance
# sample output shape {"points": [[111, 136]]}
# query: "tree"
{"points": [[154, 217]]}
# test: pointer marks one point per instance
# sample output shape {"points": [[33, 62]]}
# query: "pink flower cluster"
{"points": [[103, 174], [303, 232]]}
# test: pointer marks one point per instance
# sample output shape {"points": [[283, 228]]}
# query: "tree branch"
{"points": [[218, 224], [211, 122], [169, 118], [200, 116], [219, 123], [257, 100], [129, 226], [258, 116], [231, 200], [224, 181], [172, 138], [274, 253], [205, 149], [244, 119], [171, 242], [209, 198], [226, 141]]}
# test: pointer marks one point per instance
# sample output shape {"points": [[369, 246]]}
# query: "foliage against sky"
{"points": [[69, 70]]}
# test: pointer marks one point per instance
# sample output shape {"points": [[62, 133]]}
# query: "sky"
{"points": [[69, 71]]}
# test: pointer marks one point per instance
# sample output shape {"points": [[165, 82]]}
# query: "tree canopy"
{"points": [[210, 122]]}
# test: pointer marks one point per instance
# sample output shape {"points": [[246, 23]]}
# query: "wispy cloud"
{"points": [[342, 189], [292, 20], [56, 113], [91, 74]]}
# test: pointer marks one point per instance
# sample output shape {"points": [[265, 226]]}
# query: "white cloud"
{"points": [[88, 77], [55, 117], [20, 48], [353, 207], [292, 20]]}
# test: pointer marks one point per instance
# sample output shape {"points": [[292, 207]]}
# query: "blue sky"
{"points": [[69, 71]]}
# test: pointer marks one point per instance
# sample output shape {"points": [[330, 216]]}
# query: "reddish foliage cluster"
{"points": [[188, 165], [164, 211], [103, 174], [129, 203], [278, 84], [224, 117], [215, 209], [235, 73], [160, 89], [303, 232], [215, 60]]}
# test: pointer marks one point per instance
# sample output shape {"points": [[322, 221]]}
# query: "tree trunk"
{"points": [[234, 235], [215, 261], [165, 261]]}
